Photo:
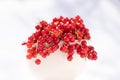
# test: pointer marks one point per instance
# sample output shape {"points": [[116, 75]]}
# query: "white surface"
{"points": [[57, 67], [17, 21]]}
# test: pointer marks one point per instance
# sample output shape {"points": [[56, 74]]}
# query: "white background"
{"points": [[17, 21]]}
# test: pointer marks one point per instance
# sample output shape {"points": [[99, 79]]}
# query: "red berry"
{"points": [[69, 58], [49, 40], [82, 55], [70, 52], [44, 55], [77, 45], [29, 45], [84, 44], [92, 55], [28, 56], [72, 38], [31, 39], [29, 51], [56, 40], [67, 33], [37, 27], [66, 39], [55, 47], [64, 49], [37, 61], [50, 50], [77, 17], [43, 23], [71, 47], [91, 47], [41, 47]]}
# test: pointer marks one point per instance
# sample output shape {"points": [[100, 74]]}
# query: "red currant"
{"points": [[67, 34], [37, 61], [69, 58]]}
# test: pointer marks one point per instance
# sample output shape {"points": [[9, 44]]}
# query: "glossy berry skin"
{"points": [[64, 49], [67, 34], [69, 58], [37, 27], [37, 61], [29, 56]]}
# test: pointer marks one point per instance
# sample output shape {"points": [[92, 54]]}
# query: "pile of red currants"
{"points": [[67, 34]]}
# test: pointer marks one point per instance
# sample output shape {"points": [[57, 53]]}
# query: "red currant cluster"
{"points": [[69, 34]]}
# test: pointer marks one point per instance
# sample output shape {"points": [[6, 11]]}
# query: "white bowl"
{"points": [[57, 67]]}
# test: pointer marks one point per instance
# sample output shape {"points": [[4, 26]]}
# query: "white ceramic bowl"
{"points": [[56, 67]]}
